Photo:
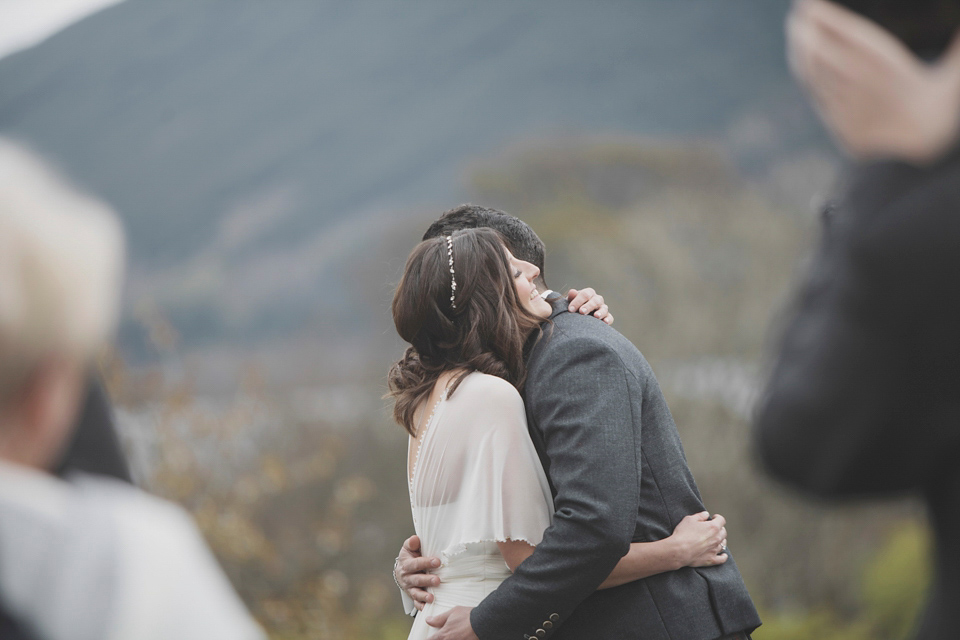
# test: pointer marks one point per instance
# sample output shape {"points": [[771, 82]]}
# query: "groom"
{"points": [[618, 475]]}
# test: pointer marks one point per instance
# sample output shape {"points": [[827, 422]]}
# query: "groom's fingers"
{"points": [[438, 620], [418, 565], [419, 580], [412, 545], [414, 579]]}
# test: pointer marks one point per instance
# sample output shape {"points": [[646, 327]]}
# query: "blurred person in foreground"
{"points": [[616, 471], [84, 558], [864, 396]]}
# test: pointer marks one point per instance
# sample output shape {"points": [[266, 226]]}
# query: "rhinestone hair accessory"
{"points": [[453, 276]]}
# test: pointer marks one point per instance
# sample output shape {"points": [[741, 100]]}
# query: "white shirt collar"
{"points": [[33, 490]]}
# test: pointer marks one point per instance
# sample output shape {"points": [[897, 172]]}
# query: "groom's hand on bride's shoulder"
{"points": [[410, 572], [589, 302], [453, 625]]}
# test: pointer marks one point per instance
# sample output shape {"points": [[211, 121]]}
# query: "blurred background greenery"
{"points": [[274, 163]]}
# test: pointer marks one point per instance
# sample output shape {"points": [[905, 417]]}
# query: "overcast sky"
{"points": [[24, 23]]}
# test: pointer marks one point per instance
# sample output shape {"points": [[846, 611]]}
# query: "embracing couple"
{"points": [[549, 488]]}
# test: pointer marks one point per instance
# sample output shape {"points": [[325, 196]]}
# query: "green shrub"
{"points": [[823, 625], [895, 582], [893, 590]]}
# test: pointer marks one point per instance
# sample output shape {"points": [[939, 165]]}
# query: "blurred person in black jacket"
{"points": [[864, 396]]}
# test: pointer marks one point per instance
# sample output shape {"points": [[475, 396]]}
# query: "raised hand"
{"points": [[875, 96], [701, 541], [587, 301], [410, 572]]}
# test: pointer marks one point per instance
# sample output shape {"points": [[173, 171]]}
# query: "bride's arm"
{"points": [[514, 552], [695, 542]]}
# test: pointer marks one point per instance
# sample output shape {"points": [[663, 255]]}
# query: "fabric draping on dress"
{"points": [[477, 476]]}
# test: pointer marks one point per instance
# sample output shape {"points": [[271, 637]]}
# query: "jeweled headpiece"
{"points": [[453, 276]]}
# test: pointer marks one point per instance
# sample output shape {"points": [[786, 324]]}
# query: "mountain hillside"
{"points": [[250, 146]]}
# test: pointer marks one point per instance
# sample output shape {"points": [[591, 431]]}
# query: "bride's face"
{"points": [[524, 273]]}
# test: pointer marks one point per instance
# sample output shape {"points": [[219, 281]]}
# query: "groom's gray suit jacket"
{"points": [[618, 475]]}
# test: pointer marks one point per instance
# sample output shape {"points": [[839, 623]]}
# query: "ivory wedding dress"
{"points": [[475, 480]]}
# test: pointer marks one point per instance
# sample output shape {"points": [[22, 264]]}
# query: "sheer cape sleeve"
{"points": [[477, 477]]}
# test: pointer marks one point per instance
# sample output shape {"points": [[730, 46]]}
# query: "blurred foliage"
{"points": [[303, 516], [823, 625], [306, 511], [894, 585], [692, 259], [895, 582]]}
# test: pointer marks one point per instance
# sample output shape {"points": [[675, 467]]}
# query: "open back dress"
{"points": [[475, 480]]}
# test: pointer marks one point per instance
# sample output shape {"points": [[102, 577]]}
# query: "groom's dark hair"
{"points": [[522, 241]]}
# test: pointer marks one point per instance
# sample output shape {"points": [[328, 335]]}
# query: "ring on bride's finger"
{"points": [[722, 551]]}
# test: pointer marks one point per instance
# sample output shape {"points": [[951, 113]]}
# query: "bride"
{"points": [[478, 493]]}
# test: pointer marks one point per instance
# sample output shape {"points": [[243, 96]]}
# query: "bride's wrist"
{"points": [[676, 553]]}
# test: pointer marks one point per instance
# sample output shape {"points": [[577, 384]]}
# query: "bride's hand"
{"points": [[587, 301], [700, 541]]}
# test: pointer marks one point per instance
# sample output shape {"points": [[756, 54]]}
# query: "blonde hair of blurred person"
{"points": [[61, 258], [91, 558]]}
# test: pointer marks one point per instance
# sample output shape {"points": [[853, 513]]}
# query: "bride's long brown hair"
{"points": [[486, 331]]}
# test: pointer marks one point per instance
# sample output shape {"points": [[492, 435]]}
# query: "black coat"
{"points": [[94, 446], [864, 397]]}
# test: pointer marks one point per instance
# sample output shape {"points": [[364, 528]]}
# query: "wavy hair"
{"points": [[486, 331]]}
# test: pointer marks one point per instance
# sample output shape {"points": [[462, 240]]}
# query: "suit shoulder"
{"points": [[575, 326], [583, 333], [575, 339]]}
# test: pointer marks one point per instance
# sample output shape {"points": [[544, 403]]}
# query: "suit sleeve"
{"points": [[852, 403], [584, 411]]}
